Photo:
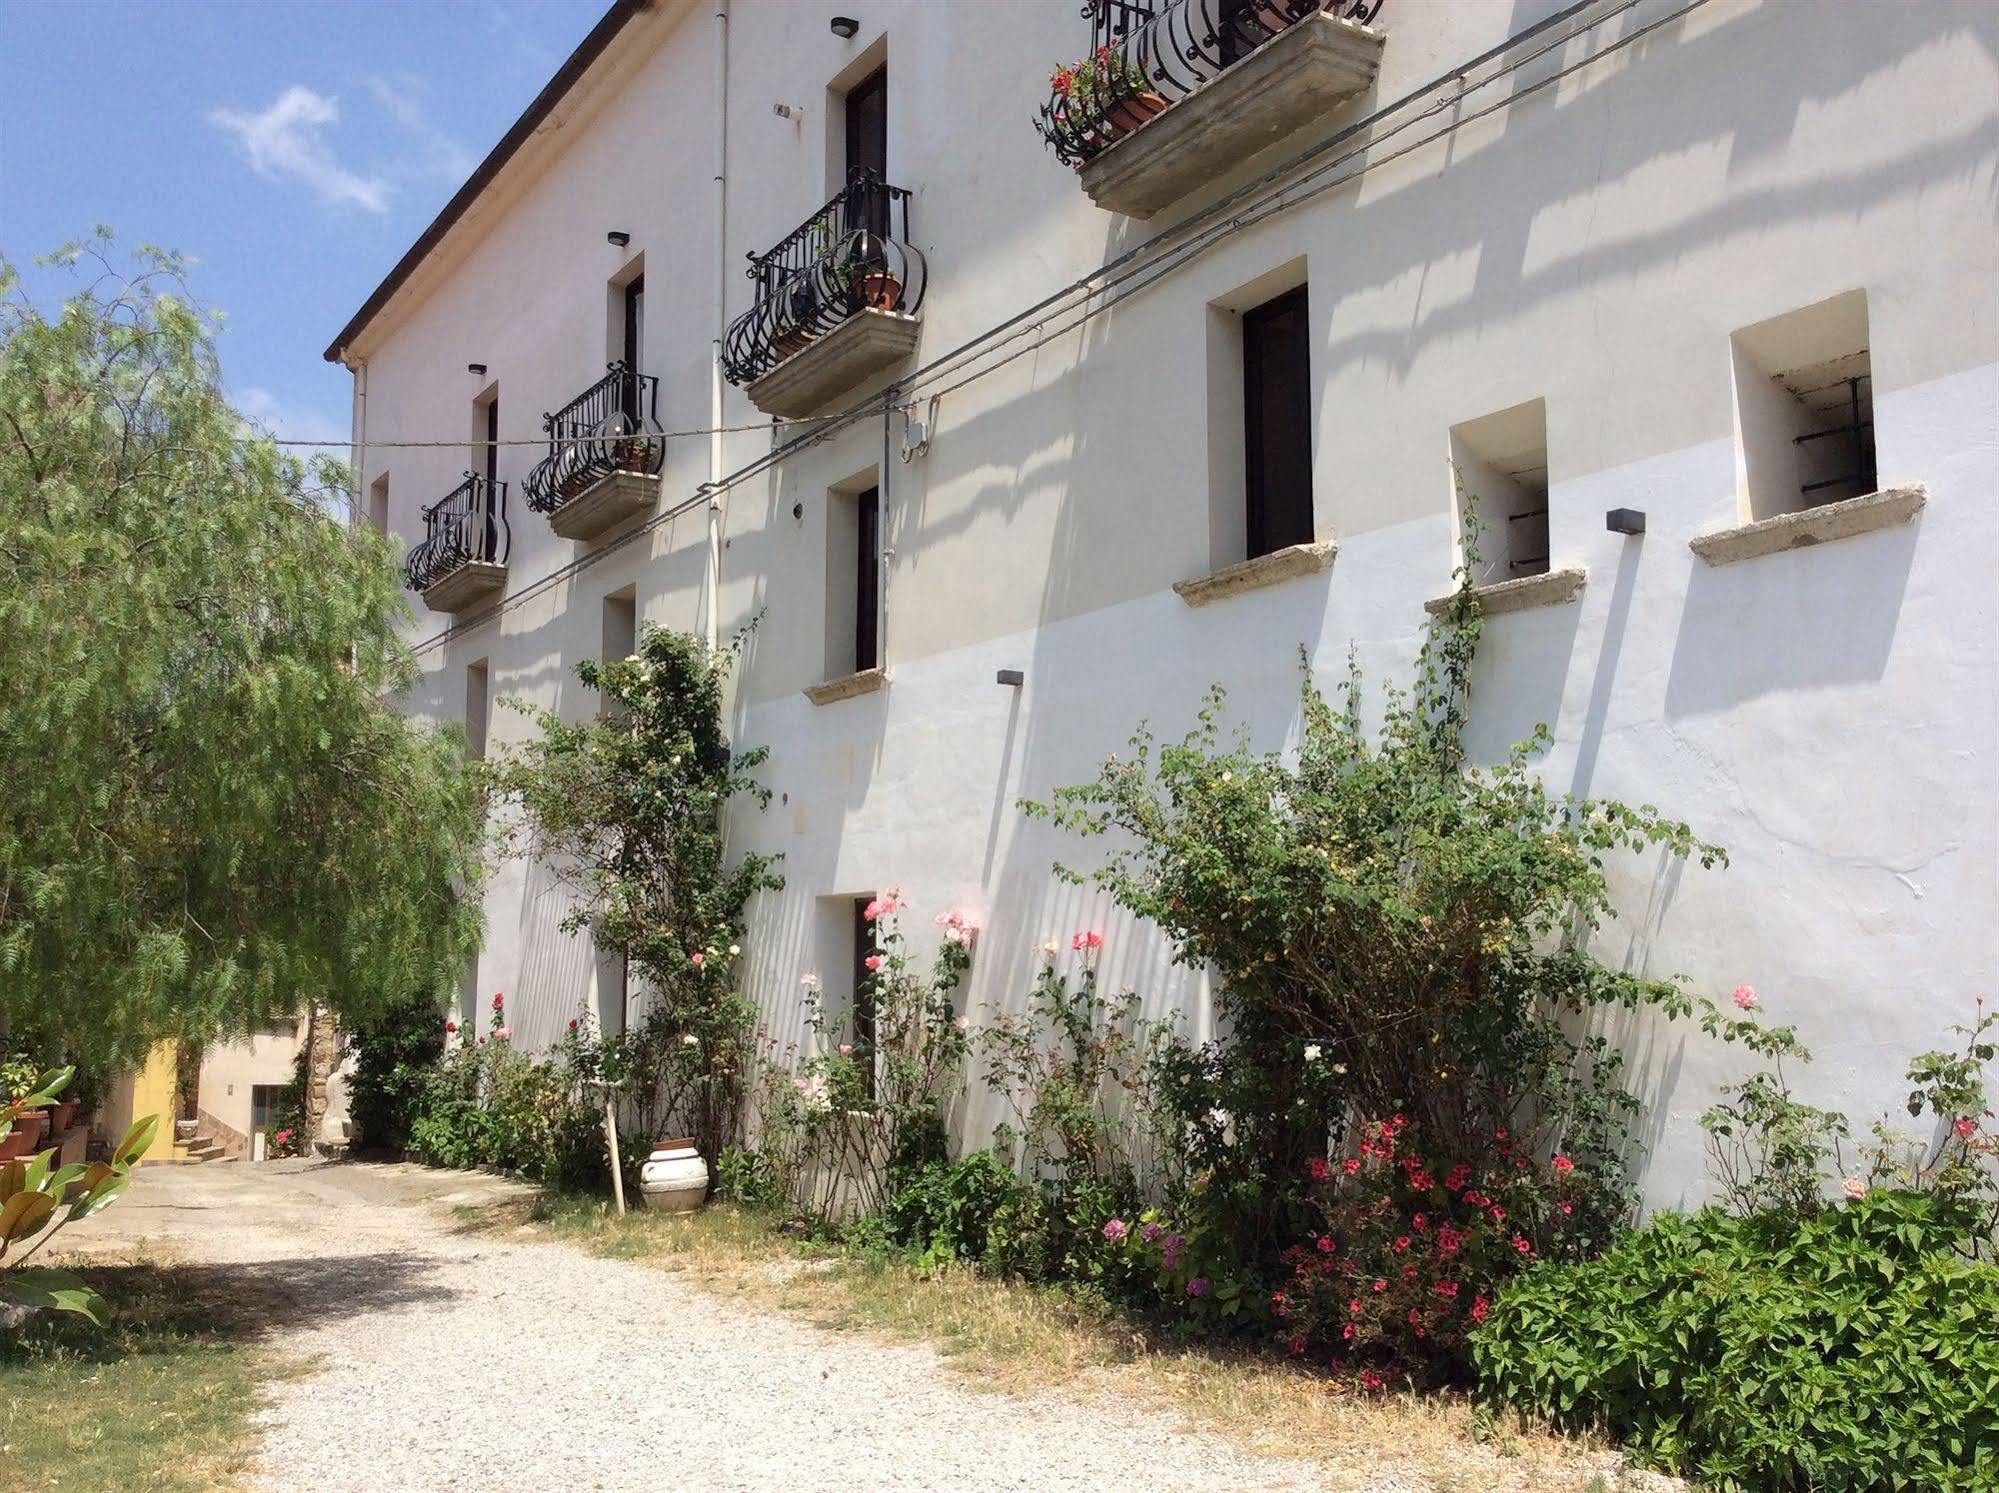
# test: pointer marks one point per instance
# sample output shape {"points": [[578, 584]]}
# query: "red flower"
{"points": [[1522, 1246], [1325, 1244], [499, 1000], [1381, 1285], [1402, 1245], [1562, 1165], [1351, 1165], [1479, 1308], [1320, 1169], [1447, 1288]]}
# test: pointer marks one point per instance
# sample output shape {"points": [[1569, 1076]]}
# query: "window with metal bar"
{"points": [[1804, 407]]}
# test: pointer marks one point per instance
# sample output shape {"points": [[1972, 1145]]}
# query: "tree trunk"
{"points": [[319, 1048]]}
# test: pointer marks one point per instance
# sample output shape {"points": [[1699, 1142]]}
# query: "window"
{"points": [[632, 329], [1277, 423], [475, 710], [861, 1024], [266, 1104], [378, 504], [1804, 408], [621, 631], [853, 581], [1499, 471]]}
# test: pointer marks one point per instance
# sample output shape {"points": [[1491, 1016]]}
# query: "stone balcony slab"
{"points": [[466, 587], [835, 364], [608, 502], [1308, 69]]}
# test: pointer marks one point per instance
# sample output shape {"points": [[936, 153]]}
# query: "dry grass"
{"points": [[1013, 1338], [158, 1399]]}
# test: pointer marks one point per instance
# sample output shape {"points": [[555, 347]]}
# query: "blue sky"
{"points": [[294, 148]]}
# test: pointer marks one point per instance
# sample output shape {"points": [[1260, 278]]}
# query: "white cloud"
{"points": [[287, 141], [437, 154], [285, 421]]}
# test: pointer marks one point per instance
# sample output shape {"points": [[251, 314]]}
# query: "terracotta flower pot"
{"points": [[62, 1115], [24, 1139], [787, 343], [881, 290], [1127, 114]]}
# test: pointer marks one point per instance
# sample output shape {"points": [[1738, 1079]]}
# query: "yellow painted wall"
{"points": [[149, 1091]]}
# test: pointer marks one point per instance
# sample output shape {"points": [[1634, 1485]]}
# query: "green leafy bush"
{"points": [[946, 1210], [1856, 1349], [392, 1059], [1390, 930]]}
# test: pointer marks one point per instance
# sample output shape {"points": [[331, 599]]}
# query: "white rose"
{"points": [[1312, 1050]]}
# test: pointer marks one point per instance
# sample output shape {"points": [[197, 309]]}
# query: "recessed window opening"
{"points": [[1499, 472], [861, 1021], [1277, 423], [1804, 406], [476, 704], [378, 504], [853, 580], [620, 632], [486, 462]]}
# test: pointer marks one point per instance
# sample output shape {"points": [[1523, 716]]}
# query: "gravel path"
{"points": [[447, 1359]]}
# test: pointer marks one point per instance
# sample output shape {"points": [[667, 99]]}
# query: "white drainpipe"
{"points": [[721, 326], [359, 425]]}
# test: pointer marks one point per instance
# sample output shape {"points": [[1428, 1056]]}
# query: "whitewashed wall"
{"points": [[1828, 715]]}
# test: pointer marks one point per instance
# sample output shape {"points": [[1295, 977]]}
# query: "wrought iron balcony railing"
{"points": [[612, 426], [1147, 55], [851, 255], [466, 525]]}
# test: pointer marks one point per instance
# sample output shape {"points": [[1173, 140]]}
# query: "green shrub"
{"points": [[945, 1210], [1855, 1349], [392, 1057], [747, 1178]]}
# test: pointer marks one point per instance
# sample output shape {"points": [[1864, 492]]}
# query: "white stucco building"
{"points": [[1619, 255]]}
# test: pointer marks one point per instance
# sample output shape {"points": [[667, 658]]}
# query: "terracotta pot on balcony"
{"points": [[26, 1135], [881, 290], [1127, 114], [784, 344]]}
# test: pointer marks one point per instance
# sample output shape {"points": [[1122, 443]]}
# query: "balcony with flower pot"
{"points": [[461, 562], [837, 302], [1173, 93], [605, 450]]}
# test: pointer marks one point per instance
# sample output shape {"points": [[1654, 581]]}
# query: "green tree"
{"points": [[212, 816], [626, 810]]}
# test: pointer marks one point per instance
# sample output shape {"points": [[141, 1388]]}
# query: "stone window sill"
{"points": [[866, 682], [1253, 575], [1555, 588], [1808, 526]]}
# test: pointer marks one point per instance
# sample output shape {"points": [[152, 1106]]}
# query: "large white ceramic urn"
{"points": [[674, 1178]]}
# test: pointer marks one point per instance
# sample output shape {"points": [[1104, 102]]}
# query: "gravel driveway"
{"points": [[445, 1358]]}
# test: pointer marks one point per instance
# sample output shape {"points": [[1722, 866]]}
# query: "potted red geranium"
{"points": [[1107, 91]]}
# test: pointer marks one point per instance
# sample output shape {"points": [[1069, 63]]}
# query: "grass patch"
{"points": [[1016, 1338], [159, 1399]]}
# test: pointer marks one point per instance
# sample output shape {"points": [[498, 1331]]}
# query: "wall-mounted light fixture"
{"points": [[1625, 521], [845, 27], [477, 368], [1012, 678], [618, 238]]}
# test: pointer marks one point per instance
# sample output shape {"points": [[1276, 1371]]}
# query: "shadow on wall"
{"points": [[1795, 621]]}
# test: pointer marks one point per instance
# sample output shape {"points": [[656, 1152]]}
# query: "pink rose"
{"points": [[1855, 1188], [1091, 940], [846, 1049], [504, 1033], [1966, 1128], [499, 999], [699, 960], [1562, 1165], [873, 962], [873, 910], [1115, 1230], [1745, 997]]}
